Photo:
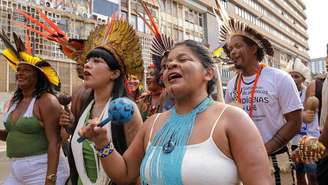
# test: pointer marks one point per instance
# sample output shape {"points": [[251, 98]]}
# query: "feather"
{"points": [[52, 24], [8, 44], [11, 57], [43, 34], [29, 58], [35, 21], [152, 21], [222, 12], [28, 43], [19, 43]]}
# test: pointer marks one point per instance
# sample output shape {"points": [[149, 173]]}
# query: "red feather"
{"points": [[35, 21], [52, 24], [28, 47]]}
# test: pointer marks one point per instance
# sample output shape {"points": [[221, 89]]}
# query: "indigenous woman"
{"points": [[155, 100], [151, 102], [31, 123], [198, 141], [112, 52], [134, 87]]}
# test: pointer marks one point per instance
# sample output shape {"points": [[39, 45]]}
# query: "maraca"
{"points": [[65, 99], [120, 111]]}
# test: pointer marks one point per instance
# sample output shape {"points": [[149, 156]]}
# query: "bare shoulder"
{"points": [[154, 122], [232, 116], [229, 112], [159, 117], [48, 100], [48, 97]]}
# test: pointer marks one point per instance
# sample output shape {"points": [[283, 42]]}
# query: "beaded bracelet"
{"points": [[106, 150]]}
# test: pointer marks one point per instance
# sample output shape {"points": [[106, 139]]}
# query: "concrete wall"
{"points": [[212, 31]]}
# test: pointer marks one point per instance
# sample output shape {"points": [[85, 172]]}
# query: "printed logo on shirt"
{"points": [[261, 96]]}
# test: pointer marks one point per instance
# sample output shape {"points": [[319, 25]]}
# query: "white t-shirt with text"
{"points": [[275, 95]]}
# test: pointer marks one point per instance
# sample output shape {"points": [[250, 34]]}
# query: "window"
{"points": [[175, 34], [141, 25], [200, 20], [133, 21], [124, 14], [174, 9]]}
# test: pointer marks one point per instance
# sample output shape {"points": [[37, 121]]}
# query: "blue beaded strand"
{"points": [[164, 156]]}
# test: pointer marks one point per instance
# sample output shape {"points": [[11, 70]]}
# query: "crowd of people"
{"points": [[271, 127]]}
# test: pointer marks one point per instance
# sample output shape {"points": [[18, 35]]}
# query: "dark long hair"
{"points": [[204, 56], [118, 91], [43, 85]]}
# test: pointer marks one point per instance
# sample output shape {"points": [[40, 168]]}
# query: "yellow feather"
{"points": [[29, 58], [10, 56], [51, 75], [217, 52]]}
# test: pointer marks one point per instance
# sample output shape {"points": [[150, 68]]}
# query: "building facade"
{"points": [[74, 25], [283, 21], [317, 65]]}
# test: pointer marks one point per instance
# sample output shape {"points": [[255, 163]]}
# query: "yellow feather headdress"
{"points": [[20, 55], [229, 27], [120, 39]]}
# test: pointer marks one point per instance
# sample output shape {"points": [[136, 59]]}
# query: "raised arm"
{"points": [[247, 148], [49, 113], [308, 115], [121, 169]]}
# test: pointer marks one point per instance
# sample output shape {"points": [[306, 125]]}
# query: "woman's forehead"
{"points": [[25, 66], [181, 50]]}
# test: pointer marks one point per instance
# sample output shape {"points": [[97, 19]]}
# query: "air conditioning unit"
{"points": [[48, 4], [85, 15]]}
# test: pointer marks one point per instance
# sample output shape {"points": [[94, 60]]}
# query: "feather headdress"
{"points": [[161, 43], [229, 27], [120, 39], [117, 37], [21, 54], [299, 67], [72, 48]]}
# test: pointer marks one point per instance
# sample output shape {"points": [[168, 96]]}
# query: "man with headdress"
{"points": [[268, 95], [300, 73]]}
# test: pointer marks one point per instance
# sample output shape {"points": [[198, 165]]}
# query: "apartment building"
{"points": [[283, 21]]}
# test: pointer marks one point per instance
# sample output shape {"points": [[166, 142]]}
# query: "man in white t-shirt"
{"points": [[270, 97]]}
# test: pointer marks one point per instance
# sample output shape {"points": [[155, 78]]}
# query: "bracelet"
{"points": [[52, 178], [106, 150]]}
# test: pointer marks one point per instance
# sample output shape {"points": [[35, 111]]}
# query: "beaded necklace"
{"points": [[164, 155], [250, 113]]}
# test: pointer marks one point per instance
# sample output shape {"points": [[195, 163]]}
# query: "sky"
{"points": [[317, 14]]}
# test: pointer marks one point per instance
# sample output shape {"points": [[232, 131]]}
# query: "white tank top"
{"points": [[206, 164]]}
